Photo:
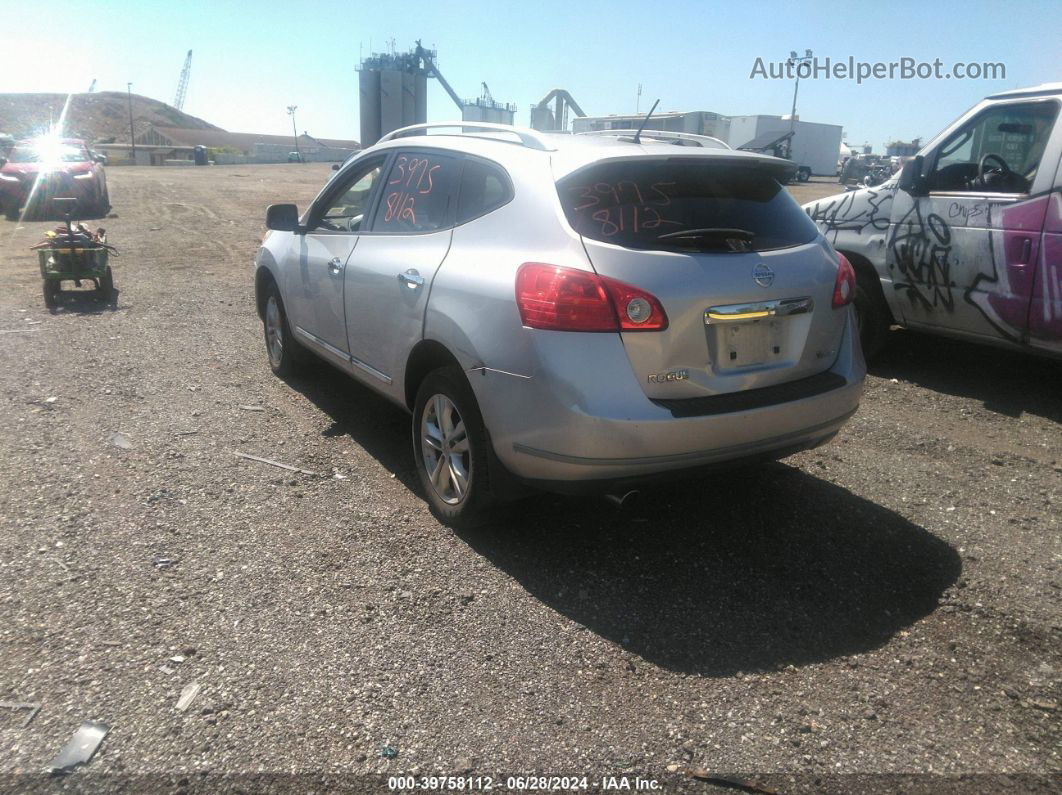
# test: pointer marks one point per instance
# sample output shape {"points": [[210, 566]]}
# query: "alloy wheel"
{"points": [[445, 448], [274, 331]]}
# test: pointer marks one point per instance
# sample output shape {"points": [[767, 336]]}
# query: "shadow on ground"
{"points": [[85, 301], [1006, 382], [747, 570], [378, 426], [739, 571]]}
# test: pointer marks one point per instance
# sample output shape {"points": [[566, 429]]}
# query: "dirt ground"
{"points": [[887, 604]]}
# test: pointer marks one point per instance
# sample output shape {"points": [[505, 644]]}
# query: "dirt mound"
{"points": [[101, 118]]}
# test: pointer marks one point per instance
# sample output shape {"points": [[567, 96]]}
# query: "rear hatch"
{"points": [[740, 270]]}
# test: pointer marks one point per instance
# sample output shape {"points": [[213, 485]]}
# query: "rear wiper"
{"points": [[715, 231]]}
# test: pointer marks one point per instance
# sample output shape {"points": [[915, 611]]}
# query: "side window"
{"points": [[420, 194], [346, 211], [998, 151], [483, 188]]}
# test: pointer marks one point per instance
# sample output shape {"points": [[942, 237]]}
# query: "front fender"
{"points": [[857, 221], [265, 268]]}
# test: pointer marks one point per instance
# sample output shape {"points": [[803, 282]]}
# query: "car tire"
{"points": [[873, 316], [803, 175], [11, 211], [451, 449], [286, 357], [103, 206]]}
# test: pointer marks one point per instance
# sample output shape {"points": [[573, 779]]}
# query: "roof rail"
{"points": [[664, 135], [525, 137]]}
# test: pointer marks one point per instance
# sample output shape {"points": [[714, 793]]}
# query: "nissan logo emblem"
{"points": [[762, 275]]}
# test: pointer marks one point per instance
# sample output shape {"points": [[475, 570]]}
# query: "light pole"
{"points": [[795, 60], [294, 130], [132, 136]]}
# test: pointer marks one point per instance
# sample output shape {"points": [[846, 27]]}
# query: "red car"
{"points": [[52, 168]]}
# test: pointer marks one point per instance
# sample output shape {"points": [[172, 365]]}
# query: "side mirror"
{"points": [[911, 180], [101, 159], [3, 162], [283, 218], [335, 166]]}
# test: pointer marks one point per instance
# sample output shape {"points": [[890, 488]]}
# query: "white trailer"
{"points": [[814, 145]]}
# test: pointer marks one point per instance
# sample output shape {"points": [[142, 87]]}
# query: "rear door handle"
{"points": [[335, 266], [411, 279]]}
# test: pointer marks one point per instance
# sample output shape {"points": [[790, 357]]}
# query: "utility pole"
{"points": [[294, 130], [132, 136], [638, 100], [795, 60]]}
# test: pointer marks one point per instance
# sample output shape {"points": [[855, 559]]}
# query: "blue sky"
{"points": [[252, 59]]}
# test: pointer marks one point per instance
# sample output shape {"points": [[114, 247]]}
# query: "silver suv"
{"points": [[571, 313]]}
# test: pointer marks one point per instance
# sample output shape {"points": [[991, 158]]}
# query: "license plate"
{"points": [[756, 342]]}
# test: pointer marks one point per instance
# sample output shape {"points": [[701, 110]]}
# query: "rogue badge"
{"points": [[664, 378]]}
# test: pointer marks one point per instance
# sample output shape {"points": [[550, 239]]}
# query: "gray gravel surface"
{"points": [[886, 604]]}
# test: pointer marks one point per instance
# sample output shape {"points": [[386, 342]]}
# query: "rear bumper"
{"points": [[593, 424]]}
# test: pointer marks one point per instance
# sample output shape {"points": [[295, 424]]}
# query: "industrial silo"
{"points": [[394, 94], [369, 91]]}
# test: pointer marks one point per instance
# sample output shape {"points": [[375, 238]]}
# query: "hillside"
{"points": [[101, 117]]}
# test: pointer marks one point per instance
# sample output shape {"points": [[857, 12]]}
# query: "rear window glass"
{"points": [[483, 188], [684, 206], [419, 194]]}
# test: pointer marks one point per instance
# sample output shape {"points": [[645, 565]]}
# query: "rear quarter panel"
{"points": [[472, 308]]}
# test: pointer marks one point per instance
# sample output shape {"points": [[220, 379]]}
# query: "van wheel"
{"points": [[803, 174], [286, 356], [450, 448], [873, 316]]}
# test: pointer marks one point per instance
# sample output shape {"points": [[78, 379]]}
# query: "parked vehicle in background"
{"points": [[966, 241], [43, 169], [574, 313]]}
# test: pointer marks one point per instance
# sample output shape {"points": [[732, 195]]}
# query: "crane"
{"points": [[182, 84]]}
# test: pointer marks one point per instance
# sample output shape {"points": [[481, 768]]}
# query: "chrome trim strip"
{"points": [[729, 313], [370, 370], [345, 357], [697, 455]]}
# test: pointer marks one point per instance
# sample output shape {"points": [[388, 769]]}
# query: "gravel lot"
{"points": [[886, 604]]}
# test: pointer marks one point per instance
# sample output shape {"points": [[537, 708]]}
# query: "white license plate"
{"points": [[757, 342]]}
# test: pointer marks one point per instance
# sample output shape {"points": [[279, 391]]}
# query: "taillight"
{"points": [[844, 287], [566, 299]]}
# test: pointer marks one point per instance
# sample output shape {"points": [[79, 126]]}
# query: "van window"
{"points": [[684, 205], [483, 188], [420, 194], [998, 151]]}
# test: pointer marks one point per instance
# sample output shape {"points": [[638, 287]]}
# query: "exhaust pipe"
{"points": [[625, 499]]}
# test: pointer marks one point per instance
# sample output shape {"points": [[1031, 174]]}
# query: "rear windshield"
{"points": [[684, 206]]}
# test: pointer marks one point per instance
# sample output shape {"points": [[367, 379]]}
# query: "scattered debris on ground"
{"points": [[32, 709], [81, 748], [288, 467], [188, 695]]}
